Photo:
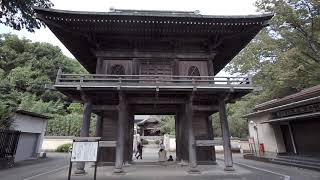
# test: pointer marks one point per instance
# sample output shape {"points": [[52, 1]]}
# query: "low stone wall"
{"points": [[51, 143]]}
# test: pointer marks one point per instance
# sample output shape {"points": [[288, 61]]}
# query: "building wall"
{"points": [[30, 124], [27, 146], [266, 134], [51, 143]]}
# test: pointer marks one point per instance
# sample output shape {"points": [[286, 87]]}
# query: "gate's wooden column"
{"points": [[84, 132], [130, 136], [178, 137], [122, 117], [99, 125], [191, 139], [211, 137], [225, 136]]}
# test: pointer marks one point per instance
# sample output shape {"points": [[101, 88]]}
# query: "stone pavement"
{"points": [[149, 169], [165, 172], [54, 168]]}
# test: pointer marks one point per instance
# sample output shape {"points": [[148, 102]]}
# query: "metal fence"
{"points": [[8, 143]]}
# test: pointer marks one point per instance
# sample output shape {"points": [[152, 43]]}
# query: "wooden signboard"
{"points": [[209, 142], [85, 149], [84, 152]]}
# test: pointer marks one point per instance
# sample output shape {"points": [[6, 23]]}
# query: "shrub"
{"points": [[157, 141], [144, 142], [64, 147]]}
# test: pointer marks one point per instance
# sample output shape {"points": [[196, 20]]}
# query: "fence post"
{"points": [[58, 75], [250, 79]]}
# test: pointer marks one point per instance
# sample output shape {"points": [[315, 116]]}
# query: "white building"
{"points": [[33, 127]]}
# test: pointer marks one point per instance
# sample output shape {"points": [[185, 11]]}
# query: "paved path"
{"points": [[294, 172], [26, 169], [54, 168]]}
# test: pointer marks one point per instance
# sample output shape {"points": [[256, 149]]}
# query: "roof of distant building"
{"points": [[33, 114]]}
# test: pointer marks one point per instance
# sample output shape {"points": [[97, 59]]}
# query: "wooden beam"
{"points": [[209, 142], [208, 108], [104, 107], [166, 55], [152, 100]]}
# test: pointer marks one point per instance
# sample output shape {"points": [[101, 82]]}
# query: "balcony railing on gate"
{"points": [[100, 80]]}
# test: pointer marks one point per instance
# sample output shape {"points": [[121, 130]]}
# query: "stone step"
{"points": [[301, 164], [297, 158]]}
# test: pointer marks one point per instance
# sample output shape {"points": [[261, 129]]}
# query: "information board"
{"points": [[84, 152]]}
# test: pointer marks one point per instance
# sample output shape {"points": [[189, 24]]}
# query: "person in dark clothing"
{"points": [[170, 158], [140, 147]]}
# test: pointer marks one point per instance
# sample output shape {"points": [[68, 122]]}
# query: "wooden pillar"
{"points": [[225, 137], [210, 67], [99, 125], [191, 139], [178, 141], [292, 138], [211, 137], [122, 115], [130, 134], [84, 132]]}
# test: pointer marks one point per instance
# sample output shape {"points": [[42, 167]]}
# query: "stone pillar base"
{"points": [[194, 171], [117, 171], [229, 168], [79, 172]]}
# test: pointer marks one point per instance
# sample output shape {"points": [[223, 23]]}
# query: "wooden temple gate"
{"points": [[154, 62]]}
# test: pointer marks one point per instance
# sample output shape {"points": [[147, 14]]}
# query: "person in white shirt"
{"points": [[162, 155]]}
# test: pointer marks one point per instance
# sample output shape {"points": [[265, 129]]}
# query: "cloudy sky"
{"points": [[211, 7]]}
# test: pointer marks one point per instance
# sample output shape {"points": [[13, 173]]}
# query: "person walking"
{"points": [[140, 147]]}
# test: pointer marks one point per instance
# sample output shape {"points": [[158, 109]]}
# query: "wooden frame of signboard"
{"points": [[89, 145]]}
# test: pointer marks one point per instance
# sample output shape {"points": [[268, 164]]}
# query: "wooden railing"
{"points": [[149, 80]]}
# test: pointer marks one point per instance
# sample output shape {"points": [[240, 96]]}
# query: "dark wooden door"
{"points": [[286, 138]]}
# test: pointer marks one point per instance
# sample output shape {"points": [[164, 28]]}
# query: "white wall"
{"points": [[265, 134], [51, 143], [30, 124]]}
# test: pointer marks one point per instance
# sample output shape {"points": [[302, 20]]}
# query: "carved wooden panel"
{"points": [[154, 67], [184, 67], [111, 65]]}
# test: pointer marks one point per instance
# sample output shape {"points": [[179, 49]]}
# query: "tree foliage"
{"points": [[284, 58], [20, 14], [25, 68], [167, 125]]}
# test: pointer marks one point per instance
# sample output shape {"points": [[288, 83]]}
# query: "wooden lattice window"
{"points": [[193, 71], [117, 70]]}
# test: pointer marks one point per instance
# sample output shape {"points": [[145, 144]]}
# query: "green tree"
{"points": [[284, 58], [19, 14], [25, 68], [167, 125]]}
